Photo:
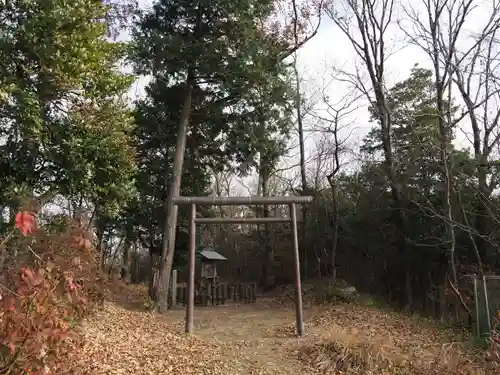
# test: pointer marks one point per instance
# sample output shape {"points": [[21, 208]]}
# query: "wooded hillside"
{"points": [[404, 170]]}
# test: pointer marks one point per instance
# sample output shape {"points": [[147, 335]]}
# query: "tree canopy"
{"points": [[65, 124]]}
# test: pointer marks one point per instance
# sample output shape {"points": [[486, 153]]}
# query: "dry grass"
{"points": [[360, 340]]}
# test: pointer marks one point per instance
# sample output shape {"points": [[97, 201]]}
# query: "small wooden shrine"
{"points": [[209, 259]]}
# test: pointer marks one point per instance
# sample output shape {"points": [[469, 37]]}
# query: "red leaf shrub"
{"points": [[42, 299], [25, 222]]}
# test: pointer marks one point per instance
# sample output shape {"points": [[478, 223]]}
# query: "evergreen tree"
{"points": [[63, 123], [217, 55]]}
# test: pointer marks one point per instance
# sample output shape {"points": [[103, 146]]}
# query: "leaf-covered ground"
{"points": [[260, 339]]}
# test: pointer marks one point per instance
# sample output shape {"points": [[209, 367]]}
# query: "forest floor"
{"points": [[260, 339]]}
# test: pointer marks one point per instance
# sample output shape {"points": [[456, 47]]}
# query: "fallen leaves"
{"points": [[260, 339], [228, 340], [119, 341], [350, 339]]}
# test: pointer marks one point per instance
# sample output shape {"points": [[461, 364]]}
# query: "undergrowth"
{"points": [[493, 353], [336, 291], [363, 338], [50, 282]]}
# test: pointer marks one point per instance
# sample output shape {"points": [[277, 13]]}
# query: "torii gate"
{"points": [[291, 201]]}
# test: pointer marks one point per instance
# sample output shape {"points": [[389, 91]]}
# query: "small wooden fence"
{"points": [[218, 294]]}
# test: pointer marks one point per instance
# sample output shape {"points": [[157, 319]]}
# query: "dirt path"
{"points": [[231, 340], [256, 339]]}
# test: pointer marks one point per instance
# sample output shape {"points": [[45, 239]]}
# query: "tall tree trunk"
{"points": [[335, 227], [482, 212], [268, 277], [373, 22], [443, 82], [174, 187], [152, 263], [125, 269], [484, 116], [400, 218], [302, 154], [101, 245], [219, 232]]}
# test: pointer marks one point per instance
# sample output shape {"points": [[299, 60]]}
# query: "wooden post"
{"points": [[206, 294], [486, 303], [203, 296], [174, 288], [476, 303], [241, 201], [298, 285], [218, 293], [191, 266], [224, 293]]}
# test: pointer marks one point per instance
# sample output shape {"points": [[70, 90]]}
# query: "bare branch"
{"points": [[298, 43]]}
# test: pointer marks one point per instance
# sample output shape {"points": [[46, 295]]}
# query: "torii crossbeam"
{"points": [[291, 201]]}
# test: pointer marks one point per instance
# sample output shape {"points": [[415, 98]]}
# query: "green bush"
{"points": [[336, 291]]}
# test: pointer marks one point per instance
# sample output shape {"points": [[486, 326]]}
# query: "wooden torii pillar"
{"points": [[291, 201]]}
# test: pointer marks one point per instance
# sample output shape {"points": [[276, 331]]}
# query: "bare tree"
{"points": [[337, 111], [477, 79], [332, 121], [365, 24], [226, 237], [438, 33], [443, 70], [297, 29], [298, 95]]}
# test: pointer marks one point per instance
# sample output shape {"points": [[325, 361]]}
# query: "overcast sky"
{"points": [[331, 48]]}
